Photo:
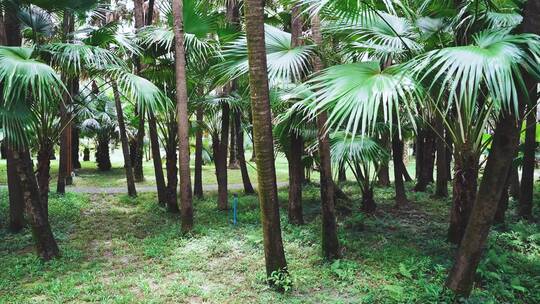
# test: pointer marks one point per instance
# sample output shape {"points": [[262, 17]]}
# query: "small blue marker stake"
{"points": [[235, 208]]}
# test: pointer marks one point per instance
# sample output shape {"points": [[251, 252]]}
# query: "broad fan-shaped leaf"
{"points": [[358, 95], [285, 63]]}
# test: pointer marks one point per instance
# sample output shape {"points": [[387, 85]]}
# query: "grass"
{"points": [[90, 176], [122, 250]]}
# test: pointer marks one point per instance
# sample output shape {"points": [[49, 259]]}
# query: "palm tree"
{"points": [[363, 156], [27, 81], [499, 163], [330, 243], [262, 136], [186, 204]]}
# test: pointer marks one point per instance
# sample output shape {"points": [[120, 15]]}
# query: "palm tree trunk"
{"points": [[103, 158], [527, 175], [419, 149], [138, 151], [156, 158], [220, 156], [262, 137], [44, 172], [198, 186], [248, 188], [132, 191], [464, 193], [172, 169], [330, 242], [46, 246], [16, 203], [150, 14], [502, 206], [3, 37], [428, 157], [505, 141], [406, 176], [64, 170], [138, 156], [233, 151], [186, 204], [441, 185], [514, 183], [397, 157], [75, 131], [296, 172], [11, 24], [383, 175], [449, 155]]}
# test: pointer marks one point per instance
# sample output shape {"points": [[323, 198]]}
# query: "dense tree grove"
{"points": [[349, 89]]}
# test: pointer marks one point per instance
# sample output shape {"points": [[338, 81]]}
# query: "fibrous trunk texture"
{"points": [[132, 191], [505, 141], [198, 186], [262, 137], [46, 246], [296, 172], [156, 158], [330, 242], [186, 200], [464, 193]]}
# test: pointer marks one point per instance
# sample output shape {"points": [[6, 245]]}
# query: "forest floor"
{"points": [[121, 250]]}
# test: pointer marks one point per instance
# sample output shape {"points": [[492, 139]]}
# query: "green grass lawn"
{"points": [[120, 250], [90, 176]]}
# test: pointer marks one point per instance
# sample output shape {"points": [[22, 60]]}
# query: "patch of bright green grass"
{"points": [[122, 250]]}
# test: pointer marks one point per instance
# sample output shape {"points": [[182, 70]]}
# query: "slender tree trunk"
{"points": [[406, 176], [502, 205], [103, 158], [499, 162], [262, 137], [419, 152], [342, 175], [198, 186], [220, 156], [64, 168], [330, 242], [46, 246], [428, 156], [156, 158], [186, 204], [464, 193], [16, 203], [132, 191], [384, 172], [86, 154], [44, 173], [397, 157], [449, 155], [441, 185], [514, 183], [75, 131], [172, 169], [3, 37], [527, 175], [368, 202], [248, 188], [138, 157], [150, 15], [296, 170], [138, 172], [233, 151]]}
